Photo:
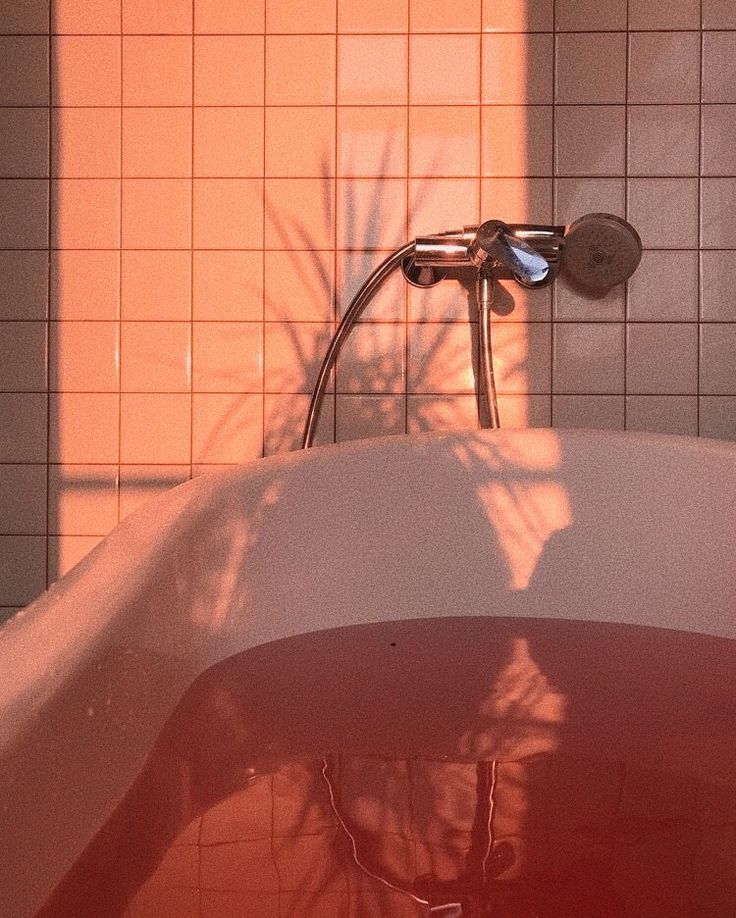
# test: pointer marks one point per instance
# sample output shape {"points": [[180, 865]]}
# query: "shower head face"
{"points": [[600, 251]]}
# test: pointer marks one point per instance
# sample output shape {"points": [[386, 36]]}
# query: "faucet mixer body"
{"points": [[527, 252]]}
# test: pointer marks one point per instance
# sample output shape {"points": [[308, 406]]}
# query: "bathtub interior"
{"points": [[501, 529], [533, 767]]}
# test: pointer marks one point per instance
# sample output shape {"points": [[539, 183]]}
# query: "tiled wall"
{"points": [[214, 179]]}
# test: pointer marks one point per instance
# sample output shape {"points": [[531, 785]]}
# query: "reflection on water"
{"points": [[331, 775]]}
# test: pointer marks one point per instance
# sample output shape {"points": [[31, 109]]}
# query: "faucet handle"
{"points": [[496, 242]]}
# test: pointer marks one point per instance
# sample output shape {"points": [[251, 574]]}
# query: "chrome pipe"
{"points": [[484, 295], [356, 307], [443, 249]]}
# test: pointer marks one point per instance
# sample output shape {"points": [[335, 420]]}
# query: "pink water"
{"points": [[456, 767]]}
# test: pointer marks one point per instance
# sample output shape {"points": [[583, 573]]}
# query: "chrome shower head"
{"points": [[600, 251]]}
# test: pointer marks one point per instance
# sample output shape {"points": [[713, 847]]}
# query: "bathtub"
{"points": [[527, 558]]}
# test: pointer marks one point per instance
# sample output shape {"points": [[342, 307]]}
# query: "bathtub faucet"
{"points": [[527, 252], [598, 251]]}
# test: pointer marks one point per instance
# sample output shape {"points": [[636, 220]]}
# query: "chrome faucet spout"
{"points": [[496, 244]]}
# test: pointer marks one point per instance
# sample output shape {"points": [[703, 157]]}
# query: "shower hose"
{"points": [[355, 309]]}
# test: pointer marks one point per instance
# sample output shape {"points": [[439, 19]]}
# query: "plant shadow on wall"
{"points": [[385, 360], [382, 361]]}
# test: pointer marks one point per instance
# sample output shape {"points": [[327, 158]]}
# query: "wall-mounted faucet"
{"points": [[596, 252], [526, 252]]}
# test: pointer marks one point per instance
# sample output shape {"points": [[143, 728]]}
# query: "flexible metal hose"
{"points": [[356, 307], [352, 314]]}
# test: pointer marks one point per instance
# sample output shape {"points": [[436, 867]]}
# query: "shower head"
{"points": [[600, 251]]}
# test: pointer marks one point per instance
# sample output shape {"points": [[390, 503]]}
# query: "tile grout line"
{"points": [[358, 393], [397, 105], [553, 291], [453, 32], [263, 236], [468, 177], [479, 212], [407, 198], [366, 177], [49, 283], [677, 248], [451, 320], [699, 217], [627, 63], [119, 368], [334, 294], [191, 266]]}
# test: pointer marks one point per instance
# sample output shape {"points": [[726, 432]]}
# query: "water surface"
{"points": [[493, 768]]}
